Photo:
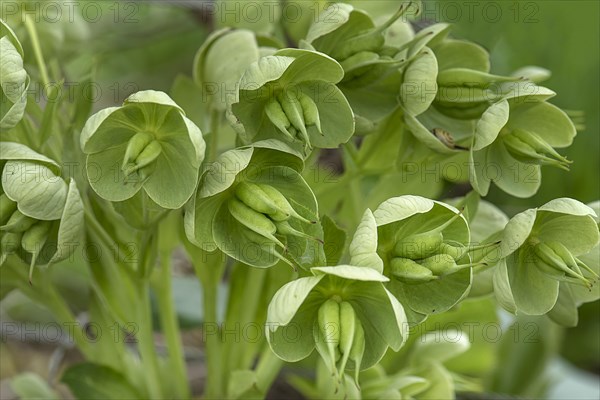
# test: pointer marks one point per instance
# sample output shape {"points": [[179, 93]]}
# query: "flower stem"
{"points": [[37, 50], [215, 123], [170, 327]]}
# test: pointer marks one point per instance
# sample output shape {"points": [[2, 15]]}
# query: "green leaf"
{"points": [[95, 381], [363, 248]]}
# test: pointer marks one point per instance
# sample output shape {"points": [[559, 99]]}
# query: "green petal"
{"points": [[152, 97], [382, 318], [106, 178], [71, 225], [351, 272], [534, 292], [502, 289], [222, 173], [309, 66], [514, 177], [436, 296], [18, 151], [490, 124], [452, 53], [363, 248], [544, 119], [419, 86], [517, 231], [579, 234], [337, 118], [39, 193], [399, 208]]}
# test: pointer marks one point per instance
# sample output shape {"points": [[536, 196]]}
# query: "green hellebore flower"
{"points": [[368, 57], [41, 215], [146, 143], [424, 247], [345, 312], [512, 140], [14, 80], [541, 248], [253, 205], [291, 96], [221, 61], [570, 295]]}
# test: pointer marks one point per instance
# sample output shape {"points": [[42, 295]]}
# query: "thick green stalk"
{"points": [[170, 327], [214, 385], [37, 50], [267, 370], [145, 339], [215, 123]]}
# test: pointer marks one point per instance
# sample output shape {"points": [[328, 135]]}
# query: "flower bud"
{"points": [[410, 271], [254, 197], [284, 228], [554, 259], [9, 244], [7, 207], [530, 148], [142, 150], [18, 222], [295, 114], [416, 247], [253, 220], [439, 264], [285, 209], [328, 320], [277, 116], [347, 329]]}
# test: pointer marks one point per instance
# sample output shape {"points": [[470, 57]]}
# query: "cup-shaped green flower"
{"points": [[216, 71], [424, 245], [513, 139], [291, 96], [14, 80], [147, 143], [344, 312], [371, 63], [253, 205], [572, 295], [41, 214], [541, 249]]}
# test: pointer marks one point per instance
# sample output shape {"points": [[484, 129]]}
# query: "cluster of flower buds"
{"points": [[142, 150], [530, 148], [555, 260], [265, 211], [426, 256], [343, 335], [292, 111], [20, 231]]}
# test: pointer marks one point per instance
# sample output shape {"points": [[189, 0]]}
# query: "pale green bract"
{"points": [[170, 177]]}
